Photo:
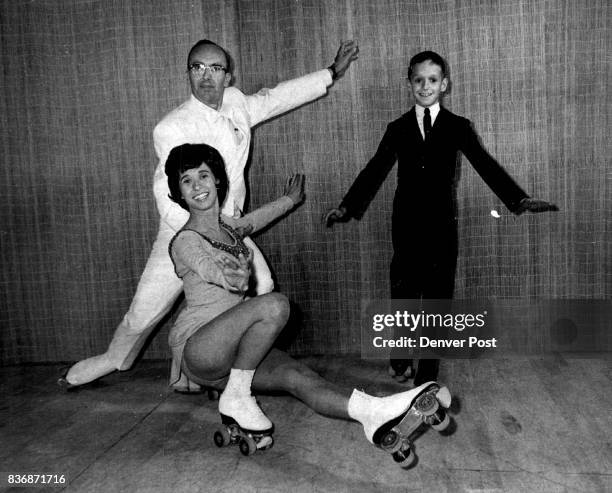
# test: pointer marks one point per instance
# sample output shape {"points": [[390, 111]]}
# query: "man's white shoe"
{"points": [[89, 369]]}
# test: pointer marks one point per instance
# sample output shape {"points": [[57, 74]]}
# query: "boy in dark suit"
{"points": [[426, 142]]}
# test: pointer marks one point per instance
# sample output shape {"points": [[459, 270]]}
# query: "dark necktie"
{"points": [[427, 123]]}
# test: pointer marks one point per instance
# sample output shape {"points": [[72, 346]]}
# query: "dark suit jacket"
{"points": [[424, 206]]}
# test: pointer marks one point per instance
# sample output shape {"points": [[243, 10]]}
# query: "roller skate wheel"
{"points": [[265, 443], [247, 446], [213, 395], [427, 404], [391, 442], [222, 437], [391, 371], [443, 424], [444, 397], [404, 457]]}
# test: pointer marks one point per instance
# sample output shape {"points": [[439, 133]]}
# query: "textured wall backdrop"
{"points": [[84, 82]]}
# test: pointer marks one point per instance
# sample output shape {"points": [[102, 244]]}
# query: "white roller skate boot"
{"points": [[243, 420], [389, 421], [245, 412]]}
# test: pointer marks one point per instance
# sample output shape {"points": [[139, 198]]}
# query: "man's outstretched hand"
{"points": [[534, 206], [347, 54]]}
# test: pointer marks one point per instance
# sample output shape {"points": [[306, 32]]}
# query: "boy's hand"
{"points": [[294, 188], [347, 53], [335, 215], [534, 206]]}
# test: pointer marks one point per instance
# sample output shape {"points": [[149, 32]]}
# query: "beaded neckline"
{"points": [[237, 248]]}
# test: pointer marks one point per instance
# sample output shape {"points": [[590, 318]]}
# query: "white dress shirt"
{"points": [[229, 131], [434, 109]]}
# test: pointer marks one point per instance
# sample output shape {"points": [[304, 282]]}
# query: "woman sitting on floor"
{"points": [[222, 339]]}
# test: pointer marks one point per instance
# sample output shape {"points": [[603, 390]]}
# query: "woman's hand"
{"points": [[237, 272], [294, 188]]}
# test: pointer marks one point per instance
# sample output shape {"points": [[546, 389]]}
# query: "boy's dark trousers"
{"points": [[418, 273]]}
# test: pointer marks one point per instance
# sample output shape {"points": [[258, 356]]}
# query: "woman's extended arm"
{"points": [[264, 215]]}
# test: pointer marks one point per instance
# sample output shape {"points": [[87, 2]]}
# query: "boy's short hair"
{"points": [[427, 56], [191, 156]]}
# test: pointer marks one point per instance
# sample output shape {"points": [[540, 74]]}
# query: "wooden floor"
{"points": [[522, 425]]}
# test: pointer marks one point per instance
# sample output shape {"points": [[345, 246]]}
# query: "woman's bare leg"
{"points": [[235, 342], [241, 338], [279, 372], [238, 338]]}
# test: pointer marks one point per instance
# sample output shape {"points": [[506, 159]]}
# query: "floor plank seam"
{"points": [[519, 470], [111, 446]]}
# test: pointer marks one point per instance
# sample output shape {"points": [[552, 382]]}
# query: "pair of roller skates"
{"points": [[428, 405]]}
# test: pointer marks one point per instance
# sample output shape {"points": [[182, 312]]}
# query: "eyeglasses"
{"points": [[200, 68]]}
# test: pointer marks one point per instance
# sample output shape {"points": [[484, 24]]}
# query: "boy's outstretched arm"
{"points": [[498, 179], [367, 183]]}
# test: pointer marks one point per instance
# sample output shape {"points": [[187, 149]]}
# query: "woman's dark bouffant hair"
{"points": [[190, 156]]}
